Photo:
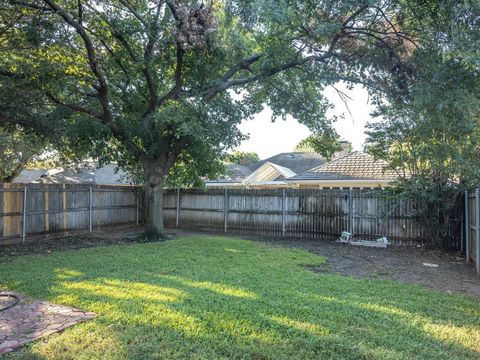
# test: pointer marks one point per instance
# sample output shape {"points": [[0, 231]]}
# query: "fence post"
{"points": [[136, 207], [64, 206], [24, 224], [225, 210], [177, 214], [477, 230], [467, 228], [284, 199], [350, 211], [90, 206], [462, 232], [46, 207]]}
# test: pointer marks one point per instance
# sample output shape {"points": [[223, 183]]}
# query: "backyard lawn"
{"points": [[211, 297]]}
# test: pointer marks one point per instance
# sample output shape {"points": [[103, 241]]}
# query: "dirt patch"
{"points": [[396, 263], [43, 244], [404, 264], [400, 263]]}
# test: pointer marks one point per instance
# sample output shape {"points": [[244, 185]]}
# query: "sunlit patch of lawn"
{"points": [[211, 297]]}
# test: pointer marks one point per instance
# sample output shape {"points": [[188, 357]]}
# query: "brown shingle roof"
{"points": [[355, 166]]}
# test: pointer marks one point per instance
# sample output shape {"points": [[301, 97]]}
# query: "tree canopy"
{"points": [[163, 84], [242, 158], [430, 132], [327, 145]]}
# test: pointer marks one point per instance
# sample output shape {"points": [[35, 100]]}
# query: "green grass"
{"points": [[211, 297]]}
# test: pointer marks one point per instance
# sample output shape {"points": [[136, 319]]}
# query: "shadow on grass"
{"points": [[223, 298]]}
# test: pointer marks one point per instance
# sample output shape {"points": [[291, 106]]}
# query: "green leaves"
{"points": [[325, 143], [431, 128], [242, 158], [17, 149], [168, 81]]}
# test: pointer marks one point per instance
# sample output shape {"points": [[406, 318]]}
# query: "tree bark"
{"points": [[10, 177], [154, 180], [154, 211], [18, 169]]}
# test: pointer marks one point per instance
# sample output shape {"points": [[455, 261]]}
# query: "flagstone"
{"points": [[29, 320]]}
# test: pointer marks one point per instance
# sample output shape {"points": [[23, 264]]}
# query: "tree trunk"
{"points": [[18, 169], [154, 180]]}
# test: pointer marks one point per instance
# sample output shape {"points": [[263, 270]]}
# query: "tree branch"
{"points": [[134, 12], [74, 107], [101, 87], [152, 33], [80, 12], [117, 60], [18, 169], [175, 91], [175, 152], [30, 123], [226, 83], [173, 10], [212, 92], [10, 74], [244, 64]]}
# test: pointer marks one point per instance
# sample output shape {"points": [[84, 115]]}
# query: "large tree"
{"points": [[164, 82], [430, 132]]}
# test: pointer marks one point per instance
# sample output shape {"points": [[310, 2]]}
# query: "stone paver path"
{"points": [[32, 319]]}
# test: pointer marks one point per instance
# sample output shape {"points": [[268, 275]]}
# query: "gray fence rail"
{"points": [[319, 213], [37, 208]]}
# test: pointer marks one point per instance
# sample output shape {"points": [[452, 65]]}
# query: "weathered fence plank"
{"points": [[312, 213], [477, 230], [53, 208], [472, 227]]}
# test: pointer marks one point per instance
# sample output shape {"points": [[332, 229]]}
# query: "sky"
{"points": [[268, 139]]}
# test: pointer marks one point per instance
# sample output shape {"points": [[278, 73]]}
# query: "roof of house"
{"points": [[269, 172], [29, 175], [88, 173], [235, 174], [298, 162], [354, 166]]}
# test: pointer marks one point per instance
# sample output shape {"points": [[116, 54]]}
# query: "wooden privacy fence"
{"points": [[40, 208], [322, 213], [472, 227], [368, 214]]}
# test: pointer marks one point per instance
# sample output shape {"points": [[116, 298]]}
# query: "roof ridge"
{"points": [[280, 166]]}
